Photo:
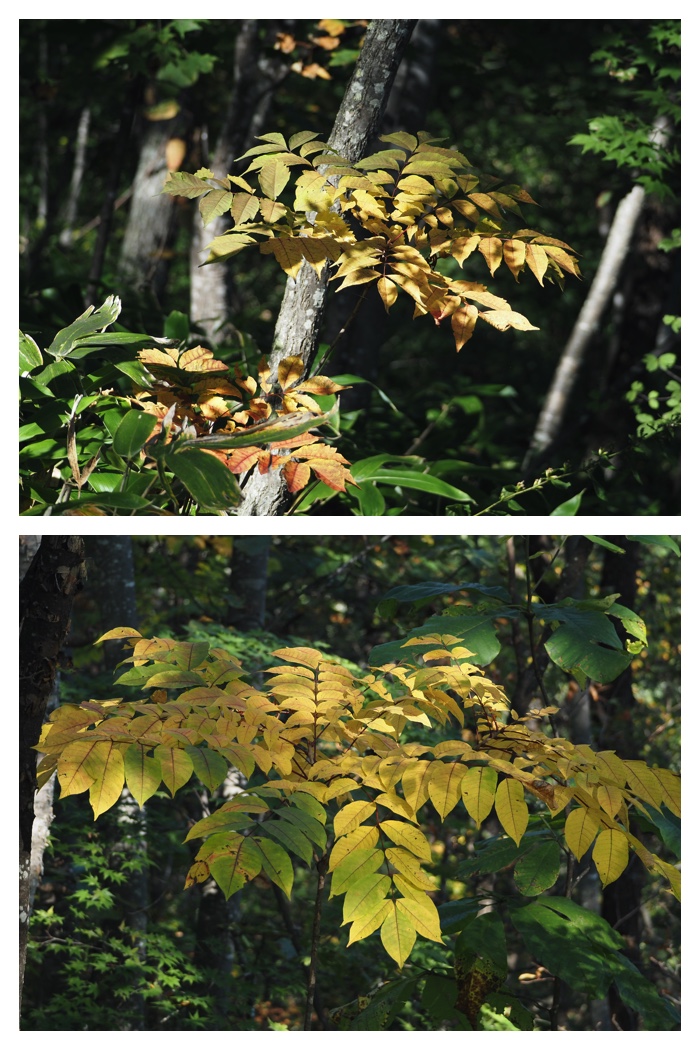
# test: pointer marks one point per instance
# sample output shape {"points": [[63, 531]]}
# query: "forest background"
{"points": [[584, 114], [116, 944]]}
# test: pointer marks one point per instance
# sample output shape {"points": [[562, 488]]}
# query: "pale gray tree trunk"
{"points": [[255, 78], [552, 414], [76, 182], [299, 320], [142, 260]]}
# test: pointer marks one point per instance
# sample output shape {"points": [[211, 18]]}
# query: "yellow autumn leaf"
{"points": [[398, 934], [511, 809], [367, 924], [365, 896], [463, 322], [536, 258], [580, 829], [72, 773], [388, 292], [445, 786], [609, 798], [422, 915], [610, 855], [504, 319], [364, 837], [492, 250], [411, 838], [415, 783], [514, 256], [286, 251], [106, 764], [478, 792]]}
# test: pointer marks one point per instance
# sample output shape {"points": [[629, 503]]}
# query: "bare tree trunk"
{"points": [[299, 320], [255, 77], [617, 246], [46, 597], [142, 262], [249, 558], [76, 182]]}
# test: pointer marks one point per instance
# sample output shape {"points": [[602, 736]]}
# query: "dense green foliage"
{"points": [[560, 951], [514, 97]]}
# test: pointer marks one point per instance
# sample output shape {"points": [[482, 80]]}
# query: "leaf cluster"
{"points": [[332, 779], [389, 218]]}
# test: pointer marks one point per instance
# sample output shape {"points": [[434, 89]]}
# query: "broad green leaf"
{"points": [[291, 837], [143, 772], [364, 898], [610, 855], [210, 483], [221, 821], [276, 864], [478, 792], [209, 766], [311, 827], [511, 809], [661, 541], [175, 765], [417, 480], [133, 432], [585, 641], [538, 869], [398, 935], [580, 830], [445, 786], [411, 838], [640, 995], [476, 630], [310, 805]]}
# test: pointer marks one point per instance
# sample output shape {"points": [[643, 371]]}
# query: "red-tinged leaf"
{"points": [[514, 256], [463, 321], [143, 773], [492, 250], [536, 258], [199, 872], [238, 460], [296, 475]]}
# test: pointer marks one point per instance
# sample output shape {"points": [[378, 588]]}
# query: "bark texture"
{"points": [[301, 314], [46, 597]]}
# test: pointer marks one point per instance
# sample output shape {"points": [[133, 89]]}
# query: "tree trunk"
{"points": [[617, 245], [249, 558], [143, 264], [46, 598], [299, 320], [255, 77]]}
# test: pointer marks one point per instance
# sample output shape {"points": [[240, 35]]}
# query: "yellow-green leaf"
{"points": [[273, 177], [422, 915], [175, 767], [351, 816], [231, 870], [609, 798], [362, 838], [409, 866], [610, 855], [72, 773], [353, 868], [143, 773], [398, 934], [286, 251], [365, 897], [366, 925], [445, 786], [478, 792], [408, 836], [106, 764], [580, 830], [511, 809]]}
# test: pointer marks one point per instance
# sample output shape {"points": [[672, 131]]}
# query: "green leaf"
{"points": [[210, 483], [660, 541], [410, 479], [538, 869], [89, 323], [570, 506], [276, 864], [133, 432], [586, 641], [209, 766], [602, 542], [278, 429], [231, 870], [476, 631], [29, 354], [292, 838], [143, 772], [177, 326]]}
